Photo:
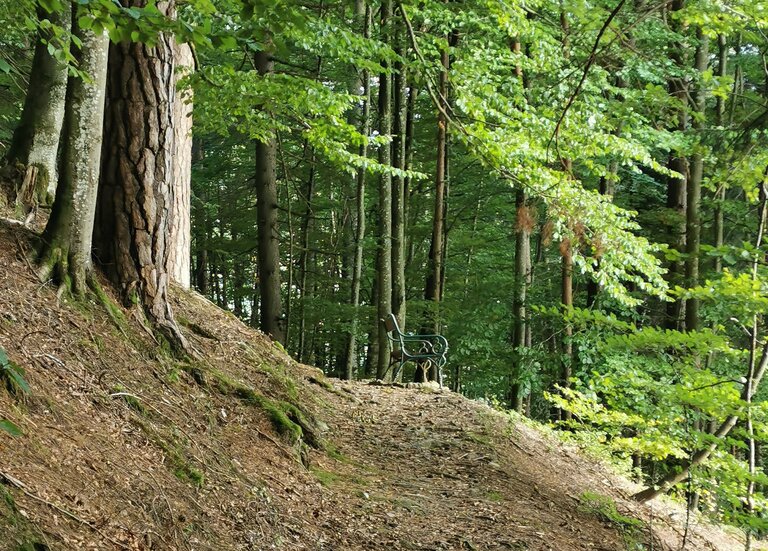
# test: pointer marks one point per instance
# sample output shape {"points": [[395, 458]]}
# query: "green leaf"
{"points": [[10, 428], [85, 22], [19, 380]]}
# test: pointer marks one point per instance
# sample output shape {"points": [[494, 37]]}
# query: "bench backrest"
{"points": [[390, 323]]}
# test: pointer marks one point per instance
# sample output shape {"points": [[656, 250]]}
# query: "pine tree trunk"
{"points": [[384, 306], [34, 147], [271, 321], [66, 251], [136, 193], [180, 238]]}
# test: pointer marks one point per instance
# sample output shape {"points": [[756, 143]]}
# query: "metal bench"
{"points": [[424, 350]]}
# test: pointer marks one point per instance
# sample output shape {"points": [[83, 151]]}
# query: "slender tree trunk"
{"points": [[432, 290], [566, 368], [137, 184], [238, 278], [271, 319], [372, 358], [203, 230], [719, 196], [291, 247], [362, 11], [410, 110], [693, 199], [677, 186], [523, 227], [566, 270], [398, 191], [66, 251], [384, 307], [33, 149], [305, 255], [522, 263]]}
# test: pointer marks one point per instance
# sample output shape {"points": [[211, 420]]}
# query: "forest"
{"points": [[573, 192]]}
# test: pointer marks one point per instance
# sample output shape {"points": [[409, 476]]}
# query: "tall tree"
{"points": [[693, 197], [33, 149], [179, 257], [432, 287], [400, 102], [67, 239], [136, 194], [384, 264], [677, 185], [271, 321], [362, 86]]}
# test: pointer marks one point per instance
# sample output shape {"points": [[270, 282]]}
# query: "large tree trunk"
{"points": [[137, 182], [67, 239], [34, 147], [384, 306], [271, 320], [180, 238]]}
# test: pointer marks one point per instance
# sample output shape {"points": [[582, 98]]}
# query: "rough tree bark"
{"points": [[33, 149], [180, 238], [271, 320], [66, 242], [137, 183]]}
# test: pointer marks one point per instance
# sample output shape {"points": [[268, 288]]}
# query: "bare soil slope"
{"points": [[126, 447]]}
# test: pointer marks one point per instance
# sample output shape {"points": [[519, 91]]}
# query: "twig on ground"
{"points": [[15, 482]]}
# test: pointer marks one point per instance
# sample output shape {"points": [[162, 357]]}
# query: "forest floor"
{"points": [[125, 446]]}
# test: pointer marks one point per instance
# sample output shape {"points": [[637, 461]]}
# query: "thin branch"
{"points": [[590, 61]]}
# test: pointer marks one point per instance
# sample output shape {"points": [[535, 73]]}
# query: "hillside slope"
{"points": [[126, 447]]}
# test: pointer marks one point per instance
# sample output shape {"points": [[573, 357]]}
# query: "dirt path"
{"points": [[428, 472]]}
